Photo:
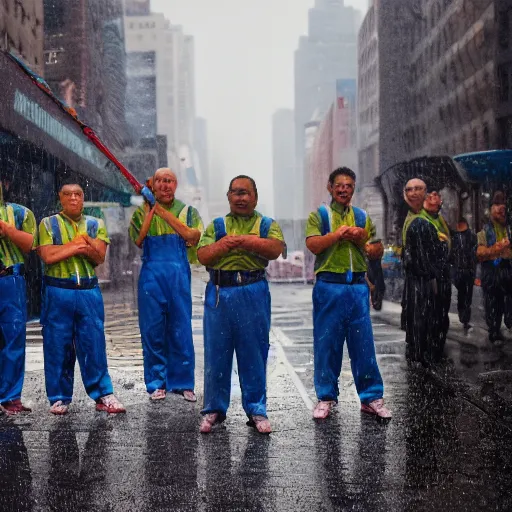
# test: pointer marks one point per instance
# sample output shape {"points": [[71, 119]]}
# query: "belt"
{"points": [[15, 270], [71, 284], [224, 278], [334, 277]]}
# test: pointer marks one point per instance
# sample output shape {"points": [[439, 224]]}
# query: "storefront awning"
{"points": [[27, 113]]}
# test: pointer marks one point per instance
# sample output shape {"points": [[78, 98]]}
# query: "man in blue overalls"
{"points": [[236, 249], [337, 235], [71, 245], [17, 238], [165, 302]]}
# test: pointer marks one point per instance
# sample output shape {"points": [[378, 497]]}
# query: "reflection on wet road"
{"points": [[440, 451]]}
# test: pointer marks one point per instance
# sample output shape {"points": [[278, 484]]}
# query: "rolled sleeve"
{"points": [[313, 225], [102, 232], [275, 232], [135, 225], [208, 237]]}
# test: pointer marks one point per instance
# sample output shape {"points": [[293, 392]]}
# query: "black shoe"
{"points": [[496, 339]]}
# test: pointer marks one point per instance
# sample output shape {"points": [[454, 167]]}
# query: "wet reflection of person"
{"points": [[253, 474], [221, 494], [421, 250], [15, 475], [463, 260], [330, 464], [71, 485], [495, 255], [170, 461], [431, 438]]}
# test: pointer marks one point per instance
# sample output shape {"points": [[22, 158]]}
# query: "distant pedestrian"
{"points": [[463, 261], [235, 250], [494, 255], [431, 212], [71, 245], [337, 235]]}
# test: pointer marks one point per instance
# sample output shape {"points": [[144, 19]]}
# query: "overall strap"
{"points": [[325, 217], [265, 224], [219, 224], [360, 217], [19, 215], [55, 228], [92, 226], [490, 235]]}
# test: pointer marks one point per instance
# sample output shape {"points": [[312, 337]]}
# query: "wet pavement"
{"points": [[441, 451]]}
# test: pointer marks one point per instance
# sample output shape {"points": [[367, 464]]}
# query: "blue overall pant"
{"points": [[13, 317], [72, 322], [165, 314], [342, 312], [239, 322]]}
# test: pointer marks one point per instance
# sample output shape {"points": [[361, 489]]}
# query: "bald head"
{"points": [[165, 184], [414, 194]]}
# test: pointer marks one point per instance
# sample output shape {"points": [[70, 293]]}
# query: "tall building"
{"points": [[201, 146], [85, 62], [328, 52], [368, 112], [160, 72], [334, 143], [283, 153], [21, 31], [435, 79]]}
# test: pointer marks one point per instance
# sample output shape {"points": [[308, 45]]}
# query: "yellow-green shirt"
{"points": [[60, 229], [240, 259], [188, 215], [23, 220], [501, 234], [337, 258]]}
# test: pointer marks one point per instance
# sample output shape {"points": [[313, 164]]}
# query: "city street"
{"points": [[440, 451]]}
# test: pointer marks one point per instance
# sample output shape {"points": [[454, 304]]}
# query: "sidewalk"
{"points": [[479, 371]]}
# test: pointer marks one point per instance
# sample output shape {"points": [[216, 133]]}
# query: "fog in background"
{"points": [[244, 71]]}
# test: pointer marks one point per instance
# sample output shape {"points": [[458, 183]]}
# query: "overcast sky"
{"points": [[244, 72]]}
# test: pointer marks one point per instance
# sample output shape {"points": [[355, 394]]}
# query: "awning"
{"points": [[493, 169], [436, 171], [29, 114]]}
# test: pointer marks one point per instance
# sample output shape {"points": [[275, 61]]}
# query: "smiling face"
{"points": [[72, 200], [342, 189], [242, 197], [498, 214], [414, 194], [165, 184], [433, 203]]}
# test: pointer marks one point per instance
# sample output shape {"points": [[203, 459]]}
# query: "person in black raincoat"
{"points": [[431, 212], [422, 249], [495, 256], [463, 261]]}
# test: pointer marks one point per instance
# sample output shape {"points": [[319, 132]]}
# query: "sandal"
{"points": [[158, 394], [189, 395], [209, 420], [110, 404], [59, 408], [12, 407], [260, 423]]}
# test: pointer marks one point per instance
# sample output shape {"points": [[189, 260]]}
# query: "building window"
{"points": [[52, 56], [487, 139]]}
